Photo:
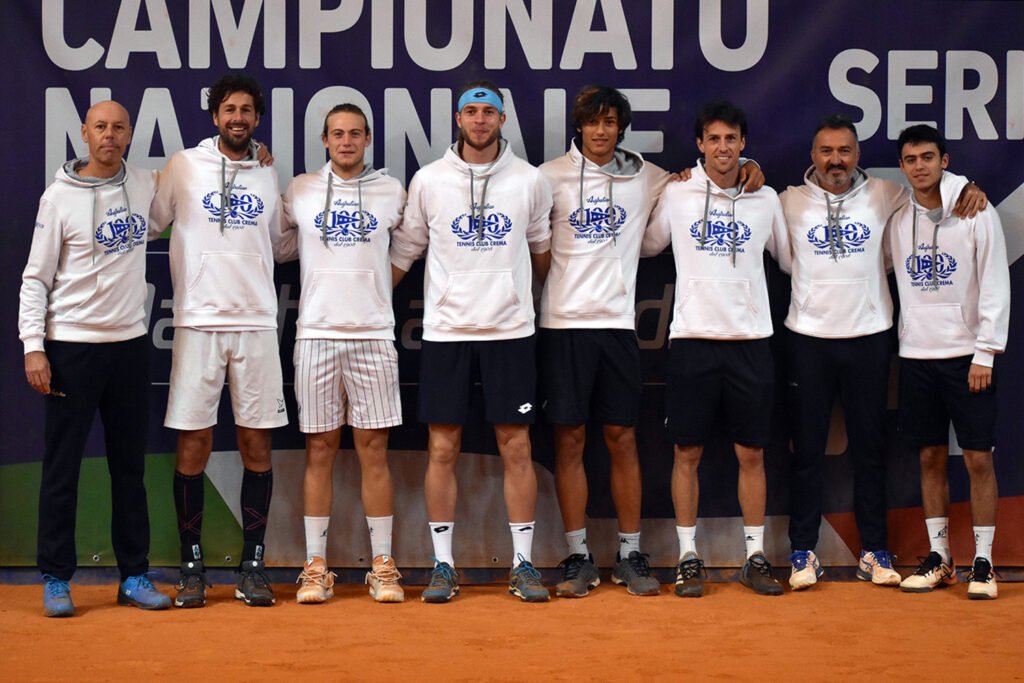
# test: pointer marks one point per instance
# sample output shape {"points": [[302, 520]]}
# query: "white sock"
{"points": [[380, 534], [522, 542], [983, 536], [316, 536], [441, 536], [938, 536], [753, 537], [687, 540], [577, 542], [628, 543]]}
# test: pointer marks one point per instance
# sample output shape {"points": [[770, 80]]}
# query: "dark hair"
{"points": [[347, 108], [726, 112], [836, 122], [593, 100], [918, 134], [232, 83], [490, 85]]}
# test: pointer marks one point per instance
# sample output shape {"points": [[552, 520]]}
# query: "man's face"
{"points": [[480, 124], [922, 163], [107, 131], [600, 135], [721, 146], [236, 120], [835, 155], [346, 140]]}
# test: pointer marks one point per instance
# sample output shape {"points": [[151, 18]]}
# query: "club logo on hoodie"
{"points": [[482, 231], [927, 274], [121, 232], [597, 223], [242, 211], [839, 240], [722, 235], [347, 227]]}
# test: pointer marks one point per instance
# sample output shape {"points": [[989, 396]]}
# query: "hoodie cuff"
{"points": [[985, 358], [402, 263], [34, 344], [540, 247]]}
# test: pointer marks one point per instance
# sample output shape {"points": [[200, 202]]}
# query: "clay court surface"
{"points": [[836, 631]]}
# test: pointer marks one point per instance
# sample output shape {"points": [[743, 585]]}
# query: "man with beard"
{"points": [[226, 213], [484, 213], [839, 343], [82, 320]]}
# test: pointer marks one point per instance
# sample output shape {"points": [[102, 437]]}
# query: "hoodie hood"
{"points": [[368, 175], [625, 163], [477, 172], [700, 176], [834, 205], [68, 173], [950, 187], [212, 146]]}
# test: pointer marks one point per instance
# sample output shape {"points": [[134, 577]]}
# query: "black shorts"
{"points": [[589, 373], [933, 392], [708, 378], [507, 372]]}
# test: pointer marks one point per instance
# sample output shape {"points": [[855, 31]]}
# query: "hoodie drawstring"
{"points": [[327, 210], [362, 217], [612, 213], [835, 235], [935, 247], [225, 191], [734, 232]]}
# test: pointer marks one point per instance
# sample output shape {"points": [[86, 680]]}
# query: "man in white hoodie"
{"points": [[82, 321], [719, 359], [226, 213], [954, 286], [484, 213], [839, 343], [338, 222]]}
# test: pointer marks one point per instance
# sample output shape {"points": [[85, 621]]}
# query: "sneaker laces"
{"points": [[692, 568], [442, 575], [139, 582], [258, 578], [928, 564], [883, 559], [386, 573], [760, 563], [572, 565], [639, 563], [526, 573], [799, 559], [984, 576], [316, 574], [55, 588]]}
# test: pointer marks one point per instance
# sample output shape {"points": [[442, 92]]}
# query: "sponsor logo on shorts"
{"points": [[525, 408], [482, 232], [121, 232], [848, 239], [347, 226], [597, 222], [723, 236], [929, 275], [280, 405], [242, 211]]}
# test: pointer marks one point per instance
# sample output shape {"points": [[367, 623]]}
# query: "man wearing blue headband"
{"points": [[484, 213]]}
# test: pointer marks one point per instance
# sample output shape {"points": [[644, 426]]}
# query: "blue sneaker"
{"points": [[57, 598], [444, 584], [806, 569], [524, 583], [139, 591]]}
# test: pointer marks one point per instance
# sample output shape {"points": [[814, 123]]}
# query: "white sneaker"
{"points": [[876, 567], [932, 573], [383, 580], [317, 582], [805, 569], [982, 581]]}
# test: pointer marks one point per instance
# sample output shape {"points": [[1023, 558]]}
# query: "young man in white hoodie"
{"points": [[338, 222], [484, 214], [954, 286], [719, 359], [589, 358], [226, 213], [82, 321], [839, 343]]}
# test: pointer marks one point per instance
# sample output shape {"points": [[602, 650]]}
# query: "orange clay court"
{"points": [[835, 631]]}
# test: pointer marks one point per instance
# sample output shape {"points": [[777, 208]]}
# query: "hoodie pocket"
{"points": [[230, 281], [347, 298], [935, 326], [118, 300], [591, 288], [713, 306], [835, 304], [480, 299]]}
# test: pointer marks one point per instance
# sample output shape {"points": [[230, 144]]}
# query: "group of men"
{"points": [[490, 226]]}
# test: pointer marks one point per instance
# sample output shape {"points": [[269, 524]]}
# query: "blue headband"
{"points": [[481, 96]]}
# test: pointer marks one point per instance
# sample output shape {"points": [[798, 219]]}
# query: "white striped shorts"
{"points": [[346, 381]]}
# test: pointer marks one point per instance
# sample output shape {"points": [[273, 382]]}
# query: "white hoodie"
{"points": [[840, 256], [477, 282], [953, 279], [346, 271], [718, 242], [86, 275], [222, 263], [597, 223]]}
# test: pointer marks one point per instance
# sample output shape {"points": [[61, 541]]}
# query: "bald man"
{"points": [[82, 321]]}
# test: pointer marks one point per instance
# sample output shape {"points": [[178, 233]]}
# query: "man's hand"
{"points": [[682, 175], [263, 155], [979, 378], [37, 371], [971, 201], [751, 177]]}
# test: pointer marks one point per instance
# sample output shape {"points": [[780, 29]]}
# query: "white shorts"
{"points": [[199, 361], [346, 381]]}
